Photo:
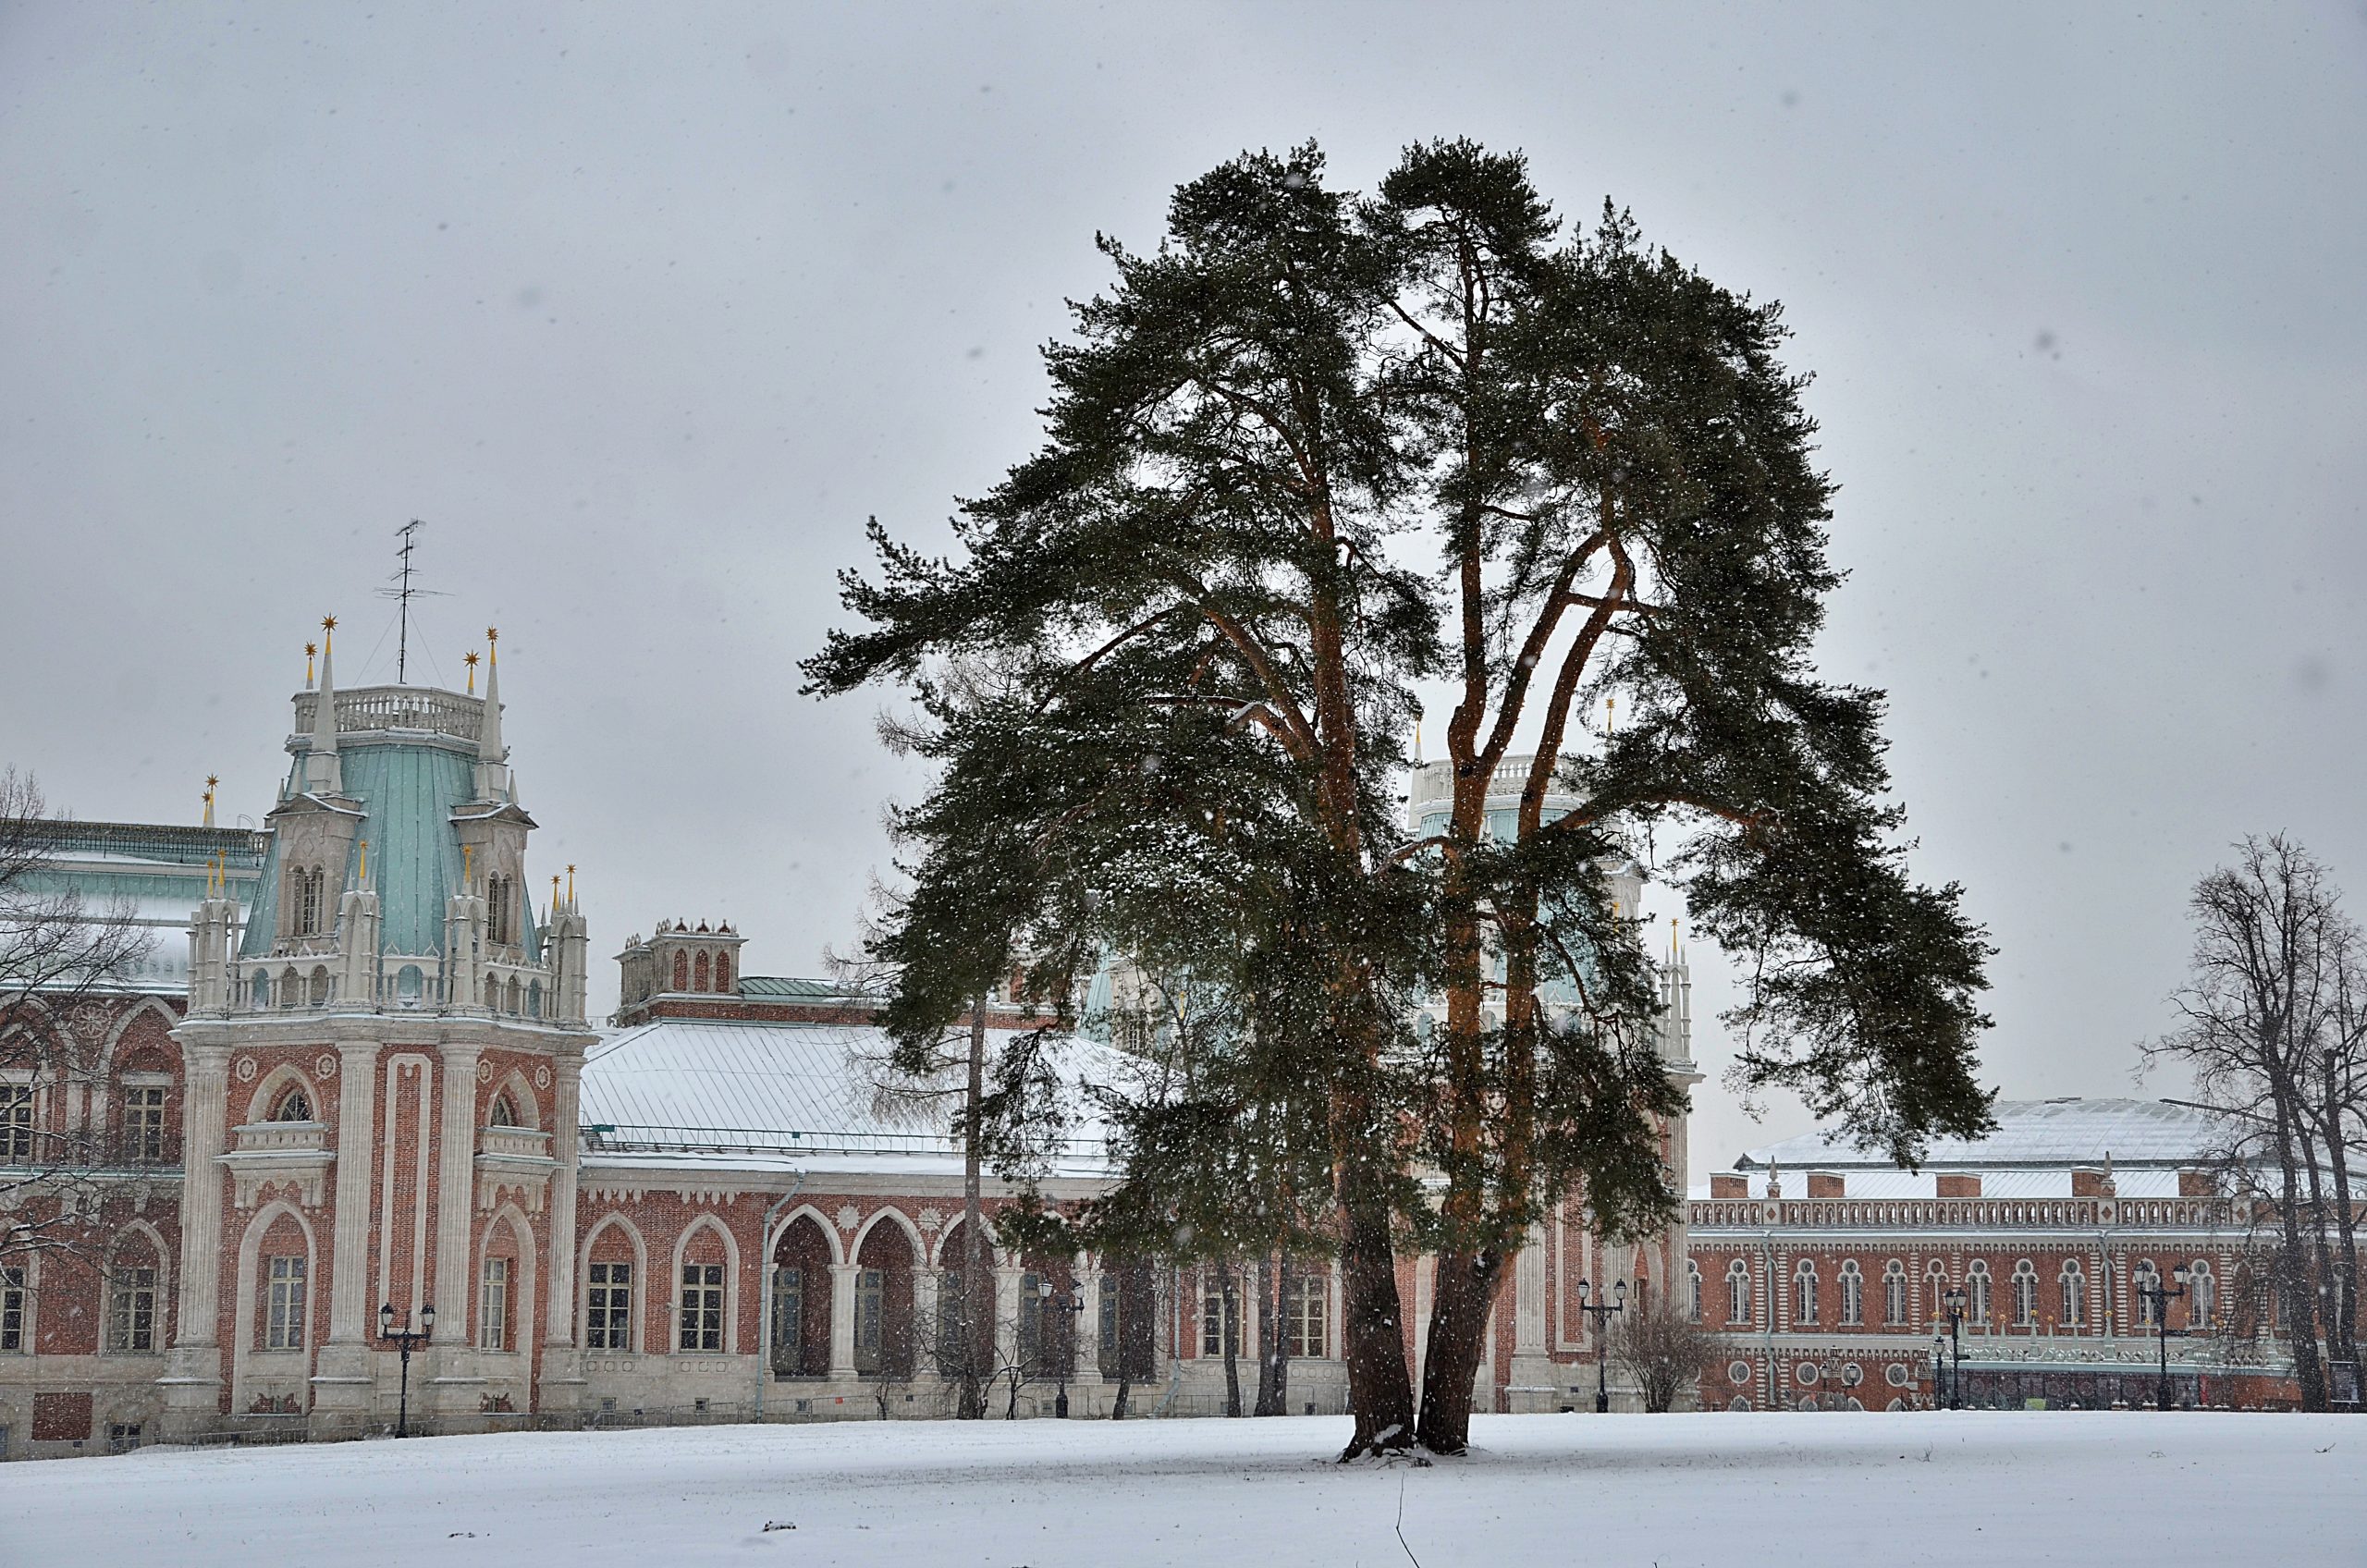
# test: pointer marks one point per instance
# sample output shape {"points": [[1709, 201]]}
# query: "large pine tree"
{"points": [[1604, 478]]}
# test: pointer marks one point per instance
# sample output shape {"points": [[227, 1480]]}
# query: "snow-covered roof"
{"points": [[2056, 1133], [721, 1093]]}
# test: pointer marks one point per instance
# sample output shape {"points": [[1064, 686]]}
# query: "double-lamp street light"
{"points": [[1601, 1312], [1064, 1346], [2161, 1295], [404, 1338], [1953, 1300]]}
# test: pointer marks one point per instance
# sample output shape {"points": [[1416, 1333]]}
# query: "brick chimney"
{"points": [[2088, 1181], [1826, 1184], [1725, 1186], [1960, 1184], [2197, 1184]]}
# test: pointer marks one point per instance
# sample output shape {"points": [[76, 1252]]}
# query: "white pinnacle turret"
{"points": [[322, 773], [493, 782]]}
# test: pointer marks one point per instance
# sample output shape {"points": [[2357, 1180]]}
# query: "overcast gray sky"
{"points": [[644, 310]]}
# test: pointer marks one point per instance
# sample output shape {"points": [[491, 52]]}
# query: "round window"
{"points": [[1738, 1371], [1897, 1374], [1805, 1373], [1853, 1374]]}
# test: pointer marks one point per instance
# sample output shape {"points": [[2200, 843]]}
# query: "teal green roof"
{"points": [[408, 795]]}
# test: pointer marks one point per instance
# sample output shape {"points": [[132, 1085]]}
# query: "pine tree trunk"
{"points": [[1461, 1301], [1268, 1323], [1229, 1332], [973, 1404], [1372, 1338]]}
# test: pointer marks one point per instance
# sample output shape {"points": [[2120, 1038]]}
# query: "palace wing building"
{"points": [[365, 1086]]}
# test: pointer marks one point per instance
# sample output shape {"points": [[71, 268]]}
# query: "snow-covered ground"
{"points": [[1737, 1491]]}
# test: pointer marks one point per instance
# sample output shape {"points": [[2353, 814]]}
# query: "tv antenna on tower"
{"points": [[403, 593]]}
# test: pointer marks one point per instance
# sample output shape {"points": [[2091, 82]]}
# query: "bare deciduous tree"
{"points": [[1663, 1350], [60, 957], [2274, 1026]]}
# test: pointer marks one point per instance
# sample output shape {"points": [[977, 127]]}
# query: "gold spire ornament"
{"points": [[365, 864], [309, 649], [491, 636], [468, 867], [210, 783], [470, 659], [570, 886]]}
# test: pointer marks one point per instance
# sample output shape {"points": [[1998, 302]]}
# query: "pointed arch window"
{"points": [[1853, 1293], [2202, 1291], [16, 1123], [2025, 1294], [1895, 1293], [2074, 1288], [294, 1105], [503, 1114], [1804, 1293], [1738, 1292], [1976, 1290]]}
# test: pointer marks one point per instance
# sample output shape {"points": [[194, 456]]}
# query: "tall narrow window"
{"points": [[870, 1317], [2201, 1293], [1219, 1328], [1976, 1291], [700, 1327], [131, 1310], [1311, 1315], [1738, 1292], [1693, 1290], [607, 1306], [144, 1125], [493, 1306], [283, 1324], [2073, 1284], [789, 1318], [1804, 1293], [1893, 1293], [1853, 1293], [2025, 1294], [12, 1308], [15, 1124]]}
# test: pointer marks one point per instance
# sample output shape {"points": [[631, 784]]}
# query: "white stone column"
{"points": [[357, 1099], [924, 1337], [1084, 1366], [1007, 1313], [560, 1321], [456, 1186], [194, 1371], [204, 1111], [842, 1318]]}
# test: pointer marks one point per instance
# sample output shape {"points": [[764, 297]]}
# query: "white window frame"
{"points": [[131, 1308], [285, 1286], [702, 1293], [493, 1304], [608, 1305]]}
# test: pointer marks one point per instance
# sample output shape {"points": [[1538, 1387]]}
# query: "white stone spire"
{"points": [[493, 776], [322, 776]]}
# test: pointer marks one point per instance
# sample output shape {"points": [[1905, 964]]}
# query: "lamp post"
{"points": [[2161, 1296], [404, 1338], [1601, 1312], [1954, 1301], [1939, 1372], [1074, 1304]]}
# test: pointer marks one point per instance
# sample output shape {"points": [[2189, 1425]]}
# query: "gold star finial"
{"points": [[328, 623], [211, 781], [492, 634]]}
